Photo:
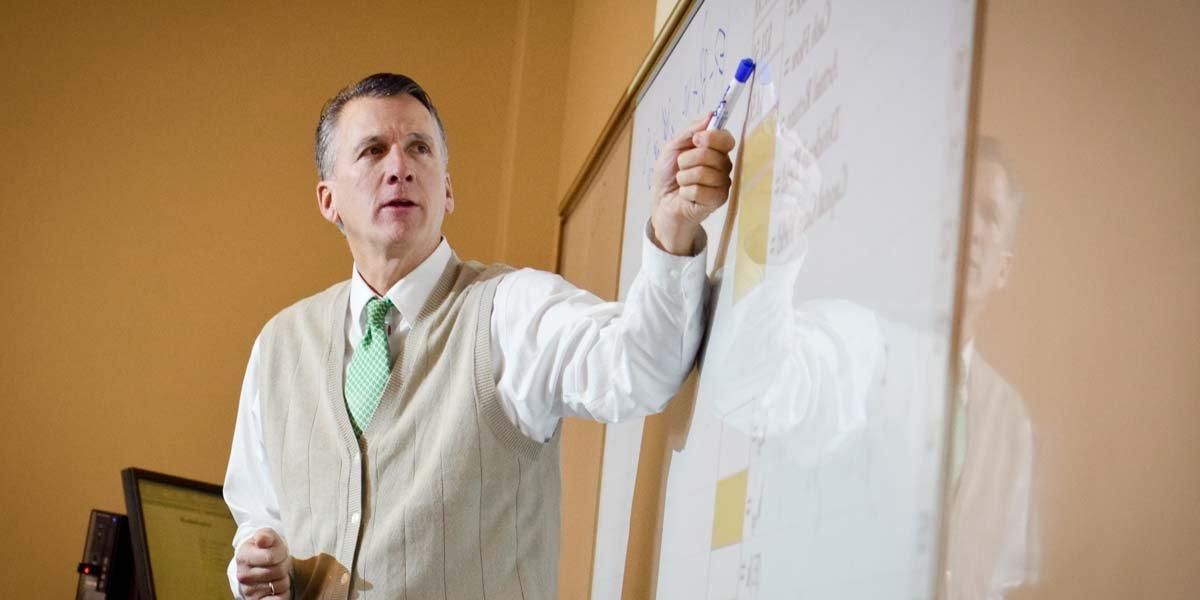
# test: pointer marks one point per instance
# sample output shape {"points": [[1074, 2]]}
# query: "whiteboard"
{"points": [[813, 463]]}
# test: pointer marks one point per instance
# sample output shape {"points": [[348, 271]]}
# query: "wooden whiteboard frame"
{"points": [[974, 91], [622, 113]]}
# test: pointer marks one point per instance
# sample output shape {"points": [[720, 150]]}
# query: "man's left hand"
{"points": [[691, 180]]}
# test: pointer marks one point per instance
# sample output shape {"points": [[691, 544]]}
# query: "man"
{"points": [[397, 434], [992, 542]]}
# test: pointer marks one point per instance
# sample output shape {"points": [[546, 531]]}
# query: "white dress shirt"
{"points": [[557, 351]]}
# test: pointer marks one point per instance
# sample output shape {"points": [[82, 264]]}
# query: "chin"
{"points": [[409, 242]]}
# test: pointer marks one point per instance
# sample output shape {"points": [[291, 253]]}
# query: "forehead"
{"points": [[991, 181], [395, 116]]}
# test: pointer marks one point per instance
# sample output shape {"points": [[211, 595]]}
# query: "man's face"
{"points": [[991, 228], [389, 187]]}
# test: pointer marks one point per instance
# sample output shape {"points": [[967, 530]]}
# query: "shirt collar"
{"points": [[409, 294]]}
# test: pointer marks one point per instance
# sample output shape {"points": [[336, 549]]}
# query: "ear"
{"points": [[325, 203], [1005, 265], [449, 195]]}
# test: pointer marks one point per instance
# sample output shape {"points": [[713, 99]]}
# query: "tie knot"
{"points": [[377, 309]]}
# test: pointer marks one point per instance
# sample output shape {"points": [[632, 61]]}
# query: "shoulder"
{"points": [[314, 309], [476, 272], [532, 287], [995, 383], [525, 283], [1007, 406]]}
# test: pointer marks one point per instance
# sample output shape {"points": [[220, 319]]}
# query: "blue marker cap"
{"points": [[744, 70]]}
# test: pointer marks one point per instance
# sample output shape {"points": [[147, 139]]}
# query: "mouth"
{"points": [[398, 204]]}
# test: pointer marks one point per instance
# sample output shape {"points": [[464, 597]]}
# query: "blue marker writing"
{"points": [[732, 92]]}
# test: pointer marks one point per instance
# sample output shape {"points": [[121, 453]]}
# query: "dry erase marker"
{"points": [[732, 92]]}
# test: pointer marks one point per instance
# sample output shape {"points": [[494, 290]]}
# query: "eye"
{"points": [[422, 148], [375, 150]]}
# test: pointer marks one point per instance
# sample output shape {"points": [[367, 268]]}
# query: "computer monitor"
{"points": [[181, 533]]}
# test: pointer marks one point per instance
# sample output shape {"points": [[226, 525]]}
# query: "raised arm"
{"points": [[561, 351]]}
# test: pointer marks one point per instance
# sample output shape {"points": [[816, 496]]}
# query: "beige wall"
{"points": [[1098, 107], [159, 207], [528, 194], [609, 41]]}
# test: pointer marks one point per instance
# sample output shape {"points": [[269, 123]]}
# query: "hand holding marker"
{"points": [[732, 92]]}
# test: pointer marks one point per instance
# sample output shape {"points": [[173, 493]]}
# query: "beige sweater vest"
{"points": [[989, 550], [443, 497]]}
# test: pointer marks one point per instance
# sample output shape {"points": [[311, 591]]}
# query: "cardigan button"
{"points": [[345, 578]]}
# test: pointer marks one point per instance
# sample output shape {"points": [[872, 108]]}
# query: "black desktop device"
{"points": [[181, 535], [107, 565]]}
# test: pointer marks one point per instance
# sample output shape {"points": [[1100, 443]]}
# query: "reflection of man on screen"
{"points": [[991, 540], [839, 394]]}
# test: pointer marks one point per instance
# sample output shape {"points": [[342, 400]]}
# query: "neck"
{"points": [[381, 271]]}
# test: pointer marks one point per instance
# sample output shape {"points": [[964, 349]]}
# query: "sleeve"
{"points": [[1020, 555], [248, 490], [561, 351]]}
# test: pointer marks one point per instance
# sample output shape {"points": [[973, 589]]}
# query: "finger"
{"points": [[253, 575], [719, 140], [262, 591], [248, 575], [705, 157], [256, 591], [679, 143], [281, 591], [706, 176], [252, 556], [265, 538], [278, 554], [683, 141], [707, 197]]}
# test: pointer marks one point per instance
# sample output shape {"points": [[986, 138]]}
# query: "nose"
{"points": [[395, 177], [397, 168]]}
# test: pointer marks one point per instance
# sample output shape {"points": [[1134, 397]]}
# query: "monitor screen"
{"points": [[181, 534]]}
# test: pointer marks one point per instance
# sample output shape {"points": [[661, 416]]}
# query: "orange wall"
{"points": [[159, 207], [1098, 107], [609, 41], [530, 153]]}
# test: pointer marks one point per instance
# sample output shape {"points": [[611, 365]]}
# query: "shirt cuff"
{"points": [[687, 274]]}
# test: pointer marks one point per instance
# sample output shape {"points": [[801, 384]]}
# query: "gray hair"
{"points": [[379, 85]]}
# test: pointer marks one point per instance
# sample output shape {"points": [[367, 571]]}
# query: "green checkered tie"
{"points": [[369, 367]]}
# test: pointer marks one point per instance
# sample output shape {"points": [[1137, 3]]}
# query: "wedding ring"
{"points": [[272, 584]]}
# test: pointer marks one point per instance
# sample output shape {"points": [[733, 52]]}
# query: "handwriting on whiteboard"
{"points": [[698, 94]]}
